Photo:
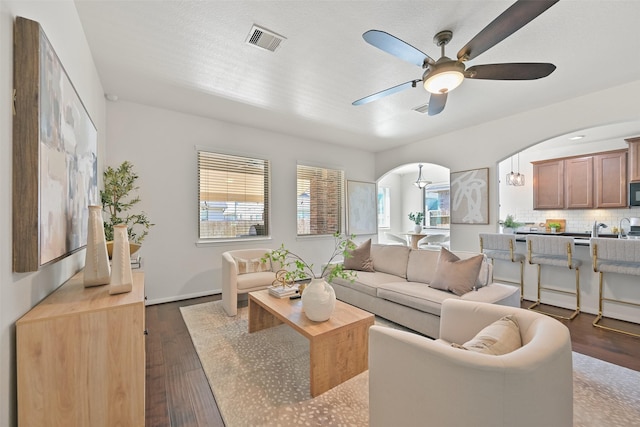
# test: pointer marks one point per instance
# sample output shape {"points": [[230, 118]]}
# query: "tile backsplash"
{"points": [[578, 220]]}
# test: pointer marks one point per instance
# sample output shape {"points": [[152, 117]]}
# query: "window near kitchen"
{"points": [[384, 207], [233, 196], [319, 196]]}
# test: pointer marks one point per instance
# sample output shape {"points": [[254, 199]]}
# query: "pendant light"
{"points": [[421, 182], [516, 179]]}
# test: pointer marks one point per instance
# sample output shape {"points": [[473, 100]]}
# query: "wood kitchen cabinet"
{"points": [[81, 358], [548, 184], [634, 159], [598, 180], [578, 182], [610, 177]]}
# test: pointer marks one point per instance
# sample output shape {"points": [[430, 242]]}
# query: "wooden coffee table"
{"points": [[338, 347]]}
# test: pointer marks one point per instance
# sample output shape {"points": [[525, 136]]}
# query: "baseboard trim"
{"points": [[183, 297]]}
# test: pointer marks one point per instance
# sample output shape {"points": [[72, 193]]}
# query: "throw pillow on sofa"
{"points": [[360, 258], [456, 275], [500, 337]]}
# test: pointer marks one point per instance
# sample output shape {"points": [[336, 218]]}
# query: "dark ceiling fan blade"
{"points": [[512, 71], [511, 20], [396, 47], [385, 92], [437, 101]]}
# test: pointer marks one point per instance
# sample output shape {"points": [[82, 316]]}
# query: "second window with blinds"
{"points": [[319, 200]]}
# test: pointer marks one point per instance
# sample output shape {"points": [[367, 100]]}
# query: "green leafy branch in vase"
{"points": [[298, 269]]}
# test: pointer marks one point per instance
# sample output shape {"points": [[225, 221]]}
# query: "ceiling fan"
{"points": [[442, 76]]}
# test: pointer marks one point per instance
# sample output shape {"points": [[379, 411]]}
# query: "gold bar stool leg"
{"points": [[577, 309], [600, 311]]}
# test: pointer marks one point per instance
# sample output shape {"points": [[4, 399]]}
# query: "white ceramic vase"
{"points": [[121, 276], [417, 228], [318, 300], [96, 263]]}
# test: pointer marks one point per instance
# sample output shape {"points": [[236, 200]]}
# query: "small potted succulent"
{"points": [[555, 227]]}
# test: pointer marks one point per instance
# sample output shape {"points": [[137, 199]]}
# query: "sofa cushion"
{"points": [[360, 259], [485, 274], [254, 265], [500, 337], [415, 295], [422, 265], [248, 281], [391, 259], [456, 275], [367, 282]]}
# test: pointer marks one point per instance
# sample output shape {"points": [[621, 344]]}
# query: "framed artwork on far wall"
{"points": [[54, 155], [362, 208], [470, 196]]}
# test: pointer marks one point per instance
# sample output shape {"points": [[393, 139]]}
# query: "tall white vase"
{"points": [[318, 300], [121, 276], [96, 263]]}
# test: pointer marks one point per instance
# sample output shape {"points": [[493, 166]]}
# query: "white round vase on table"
{"points": [[318, 300], [417, 228]]}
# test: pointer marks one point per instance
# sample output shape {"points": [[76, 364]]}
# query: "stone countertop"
{"points": [[580, 238]]}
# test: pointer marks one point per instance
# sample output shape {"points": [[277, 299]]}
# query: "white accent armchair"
{"points": [[416, 381], [234, 283]]}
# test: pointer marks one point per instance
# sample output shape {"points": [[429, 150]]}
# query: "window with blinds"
{"points": [[319, 200], [233, 196]]}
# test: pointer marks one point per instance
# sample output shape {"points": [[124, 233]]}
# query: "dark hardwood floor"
{"points": [[178, 394]]}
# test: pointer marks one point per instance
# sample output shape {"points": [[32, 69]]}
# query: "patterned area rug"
{"points": [[262, 379]]}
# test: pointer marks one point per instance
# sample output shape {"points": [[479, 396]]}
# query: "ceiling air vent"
{"points": [[422, 108], [265, 39]]}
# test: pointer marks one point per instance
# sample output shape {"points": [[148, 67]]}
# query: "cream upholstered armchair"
{"points": [[242, 273], [416, 381]]}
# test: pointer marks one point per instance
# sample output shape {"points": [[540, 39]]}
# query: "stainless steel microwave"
{"points": [[634, 194]]}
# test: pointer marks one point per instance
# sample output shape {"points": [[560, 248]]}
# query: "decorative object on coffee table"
{"points": [[96, 266], [318, 299], [121, 275]]}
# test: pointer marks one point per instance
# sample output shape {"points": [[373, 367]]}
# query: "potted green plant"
{"points": [[318, 298], [118, 200], [509, 225], [555, 227], [417, 218]]}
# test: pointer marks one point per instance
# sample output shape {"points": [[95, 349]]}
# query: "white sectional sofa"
{"points": [[398, 289]]}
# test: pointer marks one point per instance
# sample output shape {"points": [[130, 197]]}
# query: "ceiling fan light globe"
{"points": [[443, 81]]}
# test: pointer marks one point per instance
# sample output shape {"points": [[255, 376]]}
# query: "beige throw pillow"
{"points": [[360, 258], [254, 265], [456, 275], [500, 337]]}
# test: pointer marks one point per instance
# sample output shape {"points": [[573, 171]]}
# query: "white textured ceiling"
{"points": [[191, 56]]}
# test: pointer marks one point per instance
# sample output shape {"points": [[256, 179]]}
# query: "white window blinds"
{"points": [[319, 196], [233, 196]]}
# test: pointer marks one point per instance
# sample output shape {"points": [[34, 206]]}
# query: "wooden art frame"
{"points": [[362, 208], [470, 196], [54, 155]]}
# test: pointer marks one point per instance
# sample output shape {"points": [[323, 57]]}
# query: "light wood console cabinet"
{"points": [[81, 358], [594, 181]]}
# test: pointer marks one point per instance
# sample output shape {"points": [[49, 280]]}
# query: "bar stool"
{"points": [[497, 246], [554, 251], [614, 256]]}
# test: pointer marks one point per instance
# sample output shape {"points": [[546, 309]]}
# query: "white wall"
{"points": [[20, 292], [484, 145], [161, 145]]}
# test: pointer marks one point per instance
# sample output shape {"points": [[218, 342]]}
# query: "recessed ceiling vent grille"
{"points": [[422, 108], [264, 39]]}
